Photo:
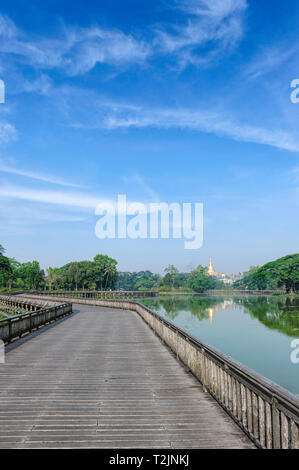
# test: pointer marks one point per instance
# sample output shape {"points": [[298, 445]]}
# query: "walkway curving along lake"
{"points": [[100, 378]]}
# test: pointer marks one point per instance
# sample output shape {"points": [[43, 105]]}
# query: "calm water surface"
{"points": [[256, 331]]}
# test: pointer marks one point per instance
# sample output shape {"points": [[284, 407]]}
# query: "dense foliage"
{"points": [[200, 281], [144, 280], [20, 275], [197, 280], [281, 273], [101, 273]]}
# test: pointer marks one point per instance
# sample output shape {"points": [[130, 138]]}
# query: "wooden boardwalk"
{"points": [[102, 379]]}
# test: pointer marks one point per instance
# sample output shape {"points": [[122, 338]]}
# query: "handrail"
{"points": [[233, 291], [16, 325], [29, 314], [257, 381], [92, 293], [273, 402]]}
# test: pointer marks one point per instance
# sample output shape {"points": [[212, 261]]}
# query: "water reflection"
{"points": [[276, 312], [256, 331]]}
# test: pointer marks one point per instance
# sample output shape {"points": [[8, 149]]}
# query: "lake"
{"points": [[256, 331]]}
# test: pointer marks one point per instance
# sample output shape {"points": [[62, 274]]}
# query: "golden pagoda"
{"points": [[211, 270]]}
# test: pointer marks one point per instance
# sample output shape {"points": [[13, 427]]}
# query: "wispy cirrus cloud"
{"points": [[96, 45], [33, 214], [295, 176], [49, 197], [145, 187], [7, 132], [25, 206], [75, 50], [216, 24], [41, 85], [269, 59], [82, 201], [212, 8], [35, 176], [202, 120]]}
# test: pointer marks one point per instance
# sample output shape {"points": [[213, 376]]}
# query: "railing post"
{"points": [[9, 330], [203, 365], [275, 425]]}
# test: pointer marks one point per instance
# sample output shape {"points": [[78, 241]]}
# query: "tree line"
{"points": [[197, 280], [101, 274], [20, 275], [282, 273]]}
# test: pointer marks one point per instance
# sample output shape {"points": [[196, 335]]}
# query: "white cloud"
{"points": [[146, 188], [212, 8], [295, 175], [195, 120], [39, 52], [36, 205], [33, 175], [49, 197], [7, 132], [96, 45], [7, 27], [217, 24], [23, 215], [269, 59], [76, 50], [41, 85]]}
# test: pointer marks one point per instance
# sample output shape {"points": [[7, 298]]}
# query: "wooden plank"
{"points": [[102, 379]]}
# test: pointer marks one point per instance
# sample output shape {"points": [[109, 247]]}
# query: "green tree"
{"points": [[110, 273], [105, 272], [171, 276], [32, 275], [13, 276], [51, 278], [75, 274], [199, 281], [283, 272], [6, 271]]}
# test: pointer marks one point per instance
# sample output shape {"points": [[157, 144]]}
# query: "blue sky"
{"points": [[169, 100]]}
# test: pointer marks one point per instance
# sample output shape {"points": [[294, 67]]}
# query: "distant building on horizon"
{"points": [[225, 278], [211, 270]]}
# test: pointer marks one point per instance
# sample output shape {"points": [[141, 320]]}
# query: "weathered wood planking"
{"points": [[266, 412], [102, 379]]}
